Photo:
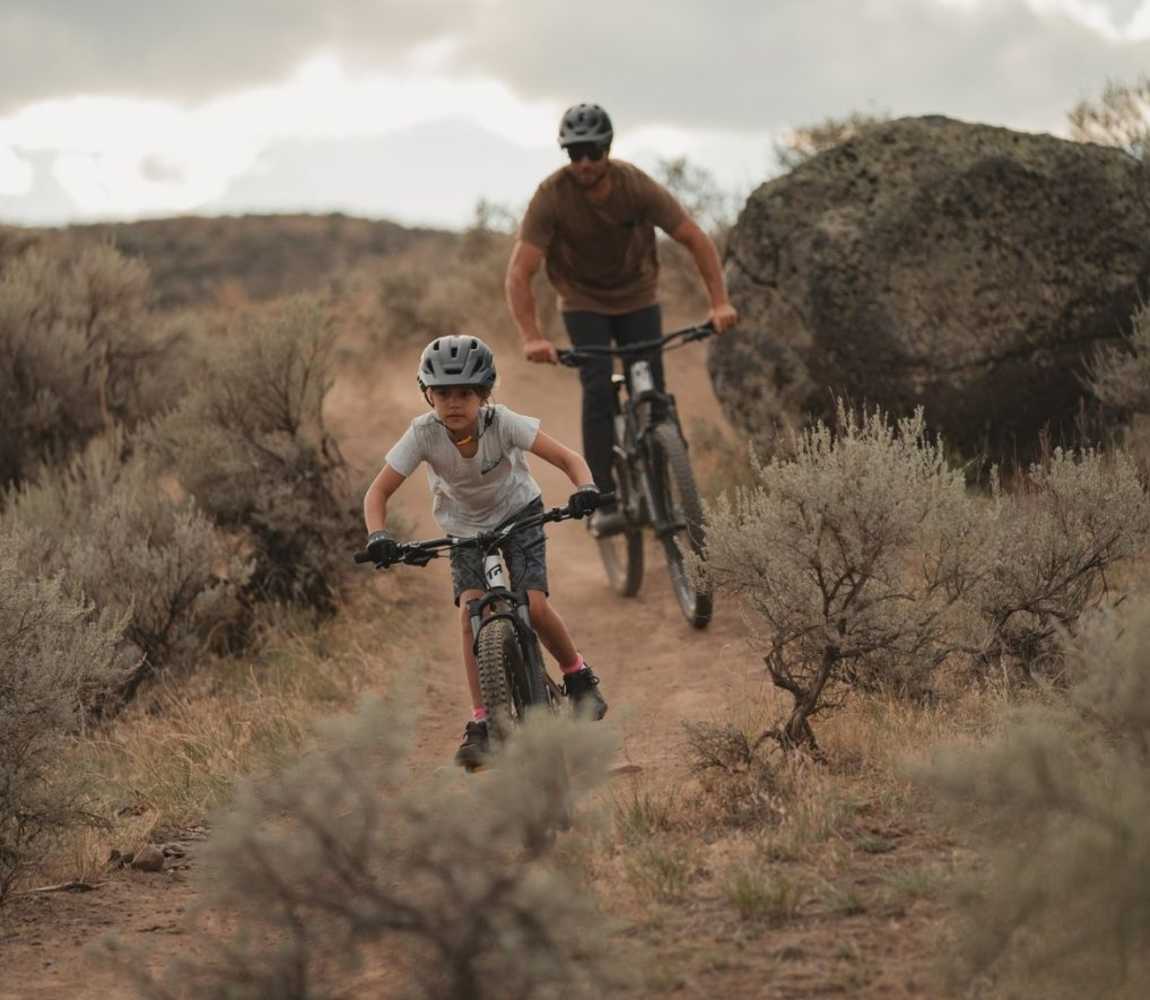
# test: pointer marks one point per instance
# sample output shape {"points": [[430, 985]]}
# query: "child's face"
{"points": [[457, 406]]}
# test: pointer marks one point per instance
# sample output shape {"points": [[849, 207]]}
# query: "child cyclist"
{"points": [[477, 470]]}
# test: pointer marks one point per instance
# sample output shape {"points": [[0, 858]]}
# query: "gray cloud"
{"points": [[762, 66], [194, 51], [742, 64]]}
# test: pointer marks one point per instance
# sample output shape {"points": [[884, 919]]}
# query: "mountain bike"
{"points": [[512, 676], [654, 483]]}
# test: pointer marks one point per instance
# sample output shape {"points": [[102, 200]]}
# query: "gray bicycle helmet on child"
{"points": [[456, 360], [585, 123]]}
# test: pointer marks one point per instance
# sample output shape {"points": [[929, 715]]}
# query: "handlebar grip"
{"points": [[362, 557]]}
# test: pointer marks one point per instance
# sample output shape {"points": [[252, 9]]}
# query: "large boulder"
{"points": [[965, 268]]}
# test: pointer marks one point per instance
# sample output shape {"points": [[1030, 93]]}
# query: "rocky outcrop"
{"points": [[965, 268]]}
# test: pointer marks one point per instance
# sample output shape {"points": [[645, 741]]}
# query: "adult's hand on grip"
{"points": [[541, 350], [723, 317]]}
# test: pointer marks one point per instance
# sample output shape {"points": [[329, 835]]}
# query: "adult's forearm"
{"points": [[710, 268], [521, 303]]}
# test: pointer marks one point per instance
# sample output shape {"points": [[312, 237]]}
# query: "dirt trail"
{"points": [[656, 671]]}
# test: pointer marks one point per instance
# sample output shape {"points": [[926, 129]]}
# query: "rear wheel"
{"points": [[503, 681], [622, 552], [680, 513]]}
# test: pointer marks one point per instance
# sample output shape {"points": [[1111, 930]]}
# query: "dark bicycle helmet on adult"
{"points": [[456, 360], [585, 123]]}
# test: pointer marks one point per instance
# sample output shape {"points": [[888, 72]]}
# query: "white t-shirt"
{"points": [[474, 494]]}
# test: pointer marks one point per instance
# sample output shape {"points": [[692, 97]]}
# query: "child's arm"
{"points": [[376, 497], [562, 457]]}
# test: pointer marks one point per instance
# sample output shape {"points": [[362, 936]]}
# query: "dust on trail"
{"points": [[656, 670]]}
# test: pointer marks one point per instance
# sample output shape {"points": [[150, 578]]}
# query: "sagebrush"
{"points": [[864, 562], [445, 884], [76, 343], [1062, 803], [249, 443], [105, 529], [56, 653], [851, 559]]}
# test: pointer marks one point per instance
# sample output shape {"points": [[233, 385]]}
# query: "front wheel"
{"points": [[503, 680], [622, 551], [679, 519]]}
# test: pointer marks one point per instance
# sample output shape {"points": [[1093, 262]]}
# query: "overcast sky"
{"points": [[414, 109]]}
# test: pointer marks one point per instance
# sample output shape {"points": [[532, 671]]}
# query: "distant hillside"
{"points": [[198, 260]]}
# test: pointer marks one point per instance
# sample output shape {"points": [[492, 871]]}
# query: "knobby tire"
{"points": [[502, 677], [622, 554], [678, 497]]}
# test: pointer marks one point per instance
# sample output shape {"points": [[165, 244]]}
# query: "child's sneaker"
{"points": [[475, 750], [581, 688]]}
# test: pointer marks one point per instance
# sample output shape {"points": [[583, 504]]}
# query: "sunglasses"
{"points": [[586, 150]]}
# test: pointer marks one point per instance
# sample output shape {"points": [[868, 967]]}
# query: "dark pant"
{"points": [[591, 329]]}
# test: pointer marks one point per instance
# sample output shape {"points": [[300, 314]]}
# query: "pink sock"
{"points": [[574, 666], [479, 714]]}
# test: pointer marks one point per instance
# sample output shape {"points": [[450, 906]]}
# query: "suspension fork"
{"points": [[500, 603]]}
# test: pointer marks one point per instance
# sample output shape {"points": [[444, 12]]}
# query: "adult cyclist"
{"points": [[593, 222]]}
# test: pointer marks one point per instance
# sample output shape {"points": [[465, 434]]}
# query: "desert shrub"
{"points": [[805, 141], [699, 192], [1062, 802], [736, 774], [1120, 376], [55, 652], [1120, 117], [1056, 535], [431, 291], [432, 877], [250, 444], [851, 559], [102, 525], [74, 335]]}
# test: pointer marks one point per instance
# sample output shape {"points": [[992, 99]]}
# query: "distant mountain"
{"points": [[196, 260], [432, 173]]}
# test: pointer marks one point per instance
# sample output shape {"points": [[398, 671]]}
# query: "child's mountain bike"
{"points": [[512, 676], [654, 483]]}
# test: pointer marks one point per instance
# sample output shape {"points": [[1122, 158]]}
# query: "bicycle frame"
{"points": [[657, 485], [640, 412]]}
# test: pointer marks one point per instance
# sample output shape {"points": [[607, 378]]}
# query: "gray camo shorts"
{"points": [[524, 555]]}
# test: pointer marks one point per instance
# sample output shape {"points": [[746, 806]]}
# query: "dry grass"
{"points": [[174, 758], [848, 846]]}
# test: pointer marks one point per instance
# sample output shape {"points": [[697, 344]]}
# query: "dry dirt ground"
{"points": [[656, 673]]}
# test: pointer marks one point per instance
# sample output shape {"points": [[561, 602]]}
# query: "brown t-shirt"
{"points": [[601, 255]]}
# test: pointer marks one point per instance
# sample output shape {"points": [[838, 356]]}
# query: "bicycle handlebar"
{"points": [[572, 357], [421, 553]]}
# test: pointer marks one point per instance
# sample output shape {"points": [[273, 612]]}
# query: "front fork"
{"points": [[643, 461], [500, 602]]}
